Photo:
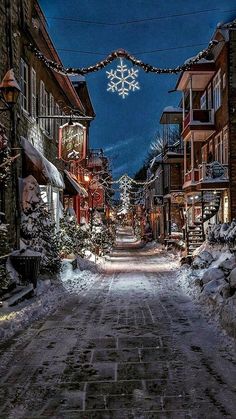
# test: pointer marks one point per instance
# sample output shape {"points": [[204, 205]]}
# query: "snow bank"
{"points": [[212, 280], [49, 297]]}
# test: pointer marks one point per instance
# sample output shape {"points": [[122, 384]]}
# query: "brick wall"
{"points": [[232, 123]]}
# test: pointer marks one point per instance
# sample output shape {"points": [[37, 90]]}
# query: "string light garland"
{"points": [[120, 53]]}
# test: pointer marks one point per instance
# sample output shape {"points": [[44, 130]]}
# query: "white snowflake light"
{"points": [[122, 80]]}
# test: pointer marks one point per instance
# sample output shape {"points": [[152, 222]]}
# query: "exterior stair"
{"points": [[195, 234], [194, 238]]}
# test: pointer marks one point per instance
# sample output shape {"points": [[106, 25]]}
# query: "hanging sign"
{"points": [[177, 198], [158, 200], [72, 142]]}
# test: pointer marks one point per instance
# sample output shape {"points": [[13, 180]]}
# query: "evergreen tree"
{"points": [[38, 232]]}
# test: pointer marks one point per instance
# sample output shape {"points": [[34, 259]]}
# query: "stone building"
{"points": [[44, 92]]}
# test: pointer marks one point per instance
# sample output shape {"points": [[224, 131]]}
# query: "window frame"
{"points": [[24, 84], [33, 93], [217, 97]]}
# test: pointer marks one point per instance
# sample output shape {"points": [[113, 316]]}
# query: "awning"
{"points": [[73, 186], [42, 169]]}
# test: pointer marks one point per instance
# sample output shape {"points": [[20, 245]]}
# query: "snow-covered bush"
{"points": [[222, 233], [37, 228], [101, 236], [72, 237]]}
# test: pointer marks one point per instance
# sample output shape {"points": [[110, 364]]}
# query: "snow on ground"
{"points": [[50, 296], [189, 280]]}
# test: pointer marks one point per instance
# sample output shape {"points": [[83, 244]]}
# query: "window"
{"points": [[203, 101], [217, 91], [24, 84], [51, 112], [219, 148], [47, 110], [209, 98], [43, 107], [225, 159], [57, 123], [33, 93], [204, 153], [224, 81]]}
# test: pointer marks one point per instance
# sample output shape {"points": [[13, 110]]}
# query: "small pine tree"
{"points": [[38, 232], [72, 237]]}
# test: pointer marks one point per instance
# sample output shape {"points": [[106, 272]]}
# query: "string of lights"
{"points": [[120, 53]]}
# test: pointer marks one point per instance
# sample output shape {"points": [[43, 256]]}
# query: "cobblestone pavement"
{"points": [[133, 345]]}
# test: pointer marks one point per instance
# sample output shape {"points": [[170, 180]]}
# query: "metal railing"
{"points": [[213, 171]]}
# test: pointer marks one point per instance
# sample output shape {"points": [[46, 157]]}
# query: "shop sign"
{"points": [[158, 200], [177, 198], [72, 142]]}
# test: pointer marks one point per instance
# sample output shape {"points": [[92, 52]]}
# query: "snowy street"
{"points": [[132, 344]]}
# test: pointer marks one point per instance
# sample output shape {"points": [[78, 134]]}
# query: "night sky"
{"points": [[125, 128]]}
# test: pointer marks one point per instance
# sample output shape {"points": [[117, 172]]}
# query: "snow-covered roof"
{"points": [[45, 169], [201, 61], [172, 109], [78, 188]]}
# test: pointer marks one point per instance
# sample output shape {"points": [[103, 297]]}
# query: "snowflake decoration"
{"points": [[122, 80]]}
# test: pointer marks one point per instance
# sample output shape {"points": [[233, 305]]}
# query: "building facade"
{"points": [[46, 102]]}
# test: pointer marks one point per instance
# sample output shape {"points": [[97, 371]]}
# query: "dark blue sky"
{"points": [[125, 128]]}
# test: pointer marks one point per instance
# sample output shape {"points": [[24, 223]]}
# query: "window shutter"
{"points": [[33, 93]]}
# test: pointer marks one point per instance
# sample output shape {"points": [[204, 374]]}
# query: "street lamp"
{"points": [[9, 91]]}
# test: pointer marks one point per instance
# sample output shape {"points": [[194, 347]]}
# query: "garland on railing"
{"points": [[120, 53]]}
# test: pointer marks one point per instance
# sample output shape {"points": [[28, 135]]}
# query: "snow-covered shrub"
{"points": [[212, 273], [37, 228], [101, 236], [72, 237], [202, 260], [222, 233]]}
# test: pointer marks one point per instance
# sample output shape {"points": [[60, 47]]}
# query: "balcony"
{"points": [[207, 175], [213, 172], [199, 123]]}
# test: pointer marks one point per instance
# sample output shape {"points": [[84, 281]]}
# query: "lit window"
{"points": [[217, 91]]}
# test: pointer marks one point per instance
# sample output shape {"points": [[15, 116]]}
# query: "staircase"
{"points": [[195, 233]]}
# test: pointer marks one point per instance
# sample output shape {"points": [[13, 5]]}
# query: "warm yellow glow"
{"points": [[86, 178]]}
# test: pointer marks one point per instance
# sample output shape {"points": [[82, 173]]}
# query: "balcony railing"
{"points": [[214, 171], [207, 172], [192, 176], [199, 117]]}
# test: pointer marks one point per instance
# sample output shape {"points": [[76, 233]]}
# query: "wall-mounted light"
{"points": [[9, 90]]}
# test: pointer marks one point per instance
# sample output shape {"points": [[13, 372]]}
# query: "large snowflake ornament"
{"points": [[122, 80]]}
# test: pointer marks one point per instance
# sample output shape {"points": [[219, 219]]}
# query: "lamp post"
{"points": [[9, 93]]}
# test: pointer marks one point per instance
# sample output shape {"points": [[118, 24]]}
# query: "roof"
{"points": [[42, 169], [203, 72], [171, 115], [45, 45], [82, 90]]}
